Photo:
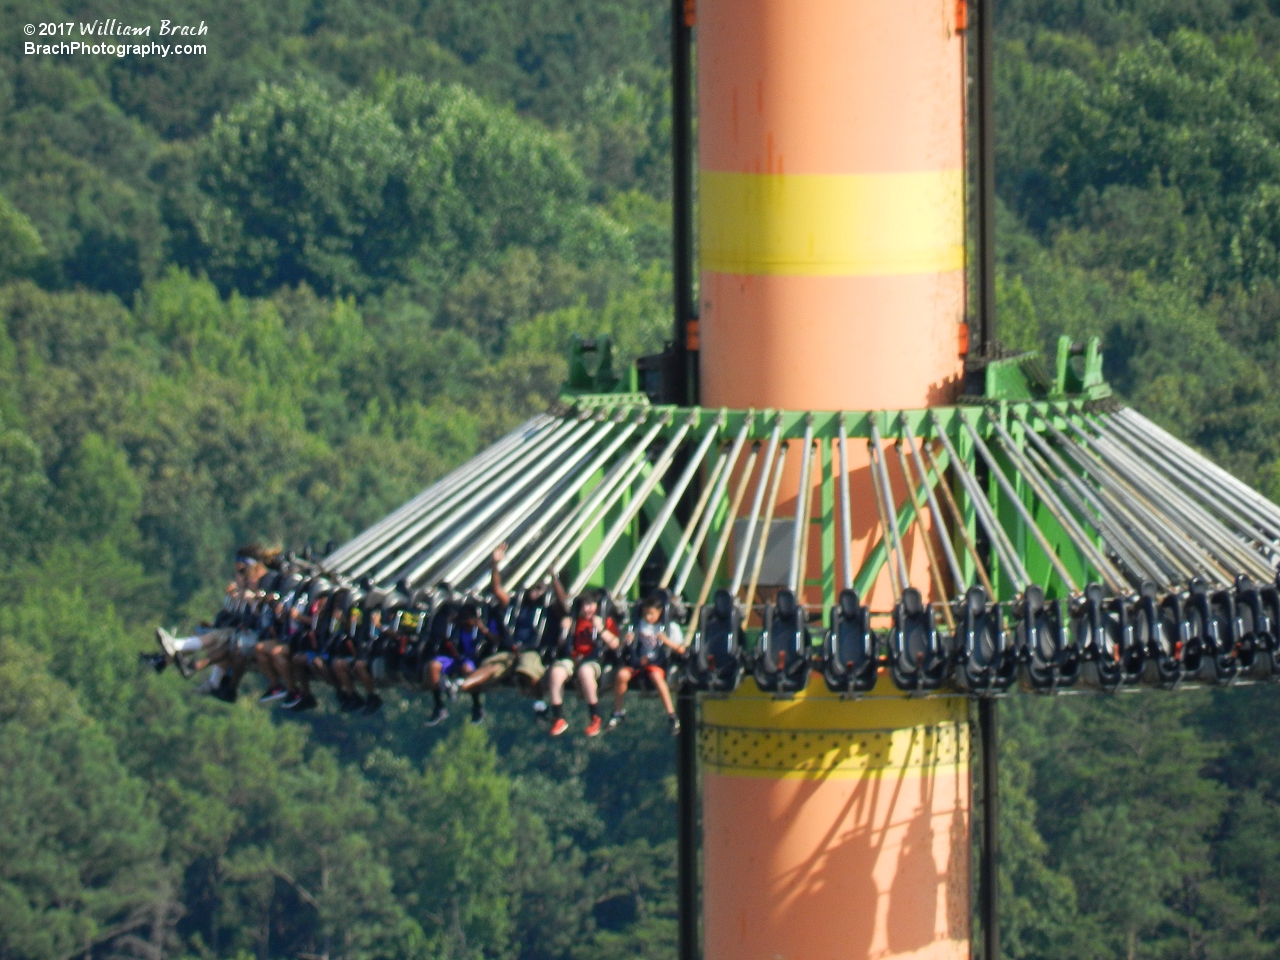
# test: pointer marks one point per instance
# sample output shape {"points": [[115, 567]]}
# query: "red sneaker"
{"points": [[559, 727], [593, 728]]}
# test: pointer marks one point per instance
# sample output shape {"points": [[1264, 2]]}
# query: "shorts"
{"points": [[217, 644], [527, 663], [568, 665], [448, 663], [646, 670], [314, 655]]}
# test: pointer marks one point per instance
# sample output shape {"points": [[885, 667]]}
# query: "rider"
{"points": [[516, 647], [584, 633], [221, 647], [647, 651], [456, 658]]}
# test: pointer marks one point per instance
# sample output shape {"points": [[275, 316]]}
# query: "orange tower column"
{"points": [[831, 240]]}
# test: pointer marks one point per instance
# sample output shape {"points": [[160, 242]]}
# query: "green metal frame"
{"points": [[1018, 384]]}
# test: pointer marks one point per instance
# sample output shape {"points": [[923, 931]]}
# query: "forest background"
{"points": [[270, 292]]}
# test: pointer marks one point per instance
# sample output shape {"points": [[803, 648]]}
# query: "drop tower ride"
{"points": [[831, 184]]}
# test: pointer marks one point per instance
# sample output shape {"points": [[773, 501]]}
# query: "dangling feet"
{"points": [[593, 727], [616, 718], [477, 709], [558, 723], [439, 714], [674, 723], [371, 704], [276, 692]]}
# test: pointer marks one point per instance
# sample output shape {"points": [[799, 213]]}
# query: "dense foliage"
{"points": [[268, 293]]}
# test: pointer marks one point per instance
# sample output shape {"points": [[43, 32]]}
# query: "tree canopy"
{"points": [[269, 293]]}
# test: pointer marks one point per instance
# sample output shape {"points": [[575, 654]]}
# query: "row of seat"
{"points": [[1197, 635]]}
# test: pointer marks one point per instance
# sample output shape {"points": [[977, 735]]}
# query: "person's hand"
{"points": [[598, 622], [499, 553]]}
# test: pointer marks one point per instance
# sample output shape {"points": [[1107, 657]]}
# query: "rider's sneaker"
{"points": [[170, 647], [539, 711], [349, 701], [438, 715], [616, 719], [450, 688], [371, 704], [308, 702], [559, 727], [674, 723], [477, 713], [273, 693], [593, 728], [167, 642], [291, 699], [156, 661]]}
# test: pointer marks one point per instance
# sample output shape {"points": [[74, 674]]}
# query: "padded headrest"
{"points": [[975, 599], [912, 602], [785, 604], [1094, 592], [723, 603], [1034, 597], [1244, 582], [849, 604], [1148, 589], [1198, 585]]}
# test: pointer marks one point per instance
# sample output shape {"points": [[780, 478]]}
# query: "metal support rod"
{"points": [[726, 529], [796, 574], [957, 517], [771, 502], [1007, 488], [757, 502], [712, 508], [880, 472], [654, 533], [846, 523], [629, 513], [986, 177], [695, 518], [687, 829], [989, 882]]}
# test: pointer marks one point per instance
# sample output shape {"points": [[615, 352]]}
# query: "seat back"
{"points": [[850, 660], [986, 663], [782, 659], [716, 663], [917, 661]]}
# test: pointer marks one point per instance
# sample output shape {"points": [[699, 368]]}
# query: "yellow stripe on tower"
{"points": [[832, 224], [818, 735]]}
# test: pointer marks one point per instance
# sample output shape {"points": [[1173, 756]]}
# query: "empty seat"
{"points": [[782, 659], [985, 661], [715, 661], [918, 661], [850, 660], [1106, 634], [1045, 646]]}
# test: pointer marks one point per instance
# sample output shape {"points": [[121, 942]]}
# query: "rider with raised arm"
{"points": [[516, 647]]}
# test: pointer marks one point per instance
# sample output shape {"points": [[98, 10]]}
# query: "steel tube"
{"points": [[757, 502], [802, 500], [654, 533], [633, 508], [712, 506]]}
